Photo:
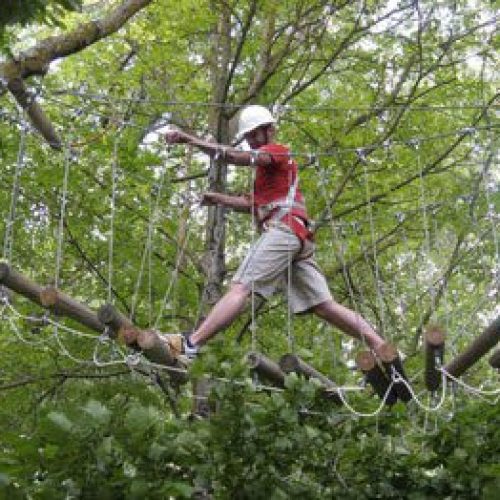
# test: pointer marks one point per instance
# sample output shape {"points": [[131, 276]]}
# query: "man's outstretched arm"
{"points": [[213, 149], [239, 203]]}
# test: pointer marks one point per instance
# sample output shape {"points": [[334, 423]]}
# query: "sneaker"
{"points": [[180, 345], [190, 350]]}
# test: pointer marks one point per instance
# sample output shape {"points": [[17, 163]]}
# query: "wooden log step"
{"points": [[434, 354], [476, 350], [266, 368], [376, 377], [495, 359], [118, 324], [389, 356], [292, 363], [20, 284], [157, 349], [62, 304]]}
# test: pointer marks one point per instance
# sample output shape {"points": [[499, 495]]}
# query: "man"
{"points": [[285, 240]]}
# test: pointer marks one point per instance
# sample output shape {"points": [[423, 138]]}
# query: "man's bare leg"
{"points": [[349, 322], [222, 315]]}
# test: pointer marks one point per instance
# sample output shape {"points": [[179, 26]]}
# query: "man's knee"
{"points": [[238, 288], [323, 308]]}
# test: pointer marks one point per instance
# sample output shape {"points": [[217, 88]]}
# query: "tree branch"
{"points": [[36, 61]]}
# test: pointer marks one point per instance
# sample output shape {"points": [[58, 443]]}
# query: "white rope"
{"points": [[336, 236], [253, 324], [374, 246], [148, 244], [62, 214], [9, 223], [463, 131], [427, 240], [114, 167], [398, 379], [363, 414], [225, 105], [174, 276], [467, 387], [293, 184]]}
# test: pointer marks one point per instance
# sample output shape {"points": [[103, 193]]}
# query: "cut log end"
{"points": [[129, 335], [435, 336], [48, 296], [289, 363], [387, 353], [365, 361], [4, 271]]}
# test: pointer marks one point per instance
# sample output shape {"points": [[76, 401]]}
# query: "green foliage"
{"points": [[255, 446], [25, 12], [28, 11], [414, 209]]}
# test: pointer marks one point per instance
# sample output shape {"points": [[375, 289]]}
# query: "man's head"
{"points": [[256, 126]]}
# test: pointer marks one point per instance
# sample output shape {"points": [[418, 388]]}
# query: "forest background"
{"points": [[391, 110]]}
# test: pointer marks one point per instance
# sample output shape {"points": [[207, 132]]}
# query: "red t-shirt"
{"points": [[273, 183]]}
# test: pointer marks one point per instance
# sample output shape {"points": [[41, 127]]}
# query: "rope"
{"points": [[114, 166], [253, 324], [175, 274], [60, 232], [287, 107], [334, 150], [9, 223], [148, 244], [374, 246], [290, 200]]}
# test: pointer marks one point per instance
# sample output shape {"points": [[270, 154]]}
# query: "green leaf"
{"points": [[97, 411], [61, 421]]}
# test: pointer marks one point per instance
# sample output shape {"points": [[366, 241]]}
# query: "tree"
{"points": [[395, 104]]}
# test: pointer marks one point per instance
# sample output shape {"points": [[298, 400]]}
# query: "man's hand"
{"points": [[177, 136], [210, 198]]}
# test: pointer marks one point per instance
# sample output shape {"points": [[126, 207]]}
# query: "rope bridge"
{"points": [[127, 344]]}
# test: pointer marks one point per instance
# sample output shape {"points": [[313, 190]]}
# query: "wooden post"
{"points": [[19, 283], [389, 356], [477, 349], [495, 359], [62, 304], [291, 363], [202, 407], [266, 368], [434, 353], [375, 376]]}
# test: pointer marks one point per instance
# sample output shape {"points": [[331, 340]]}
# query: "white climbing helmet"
{"points": [[253, 117]]}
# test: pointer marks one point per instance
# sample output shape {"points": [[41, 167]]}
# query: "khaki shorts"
{"points": [[278, 261]]}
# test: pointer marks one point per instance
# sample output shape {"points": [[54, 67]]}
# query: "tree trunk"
{"points": [[217, 176]]}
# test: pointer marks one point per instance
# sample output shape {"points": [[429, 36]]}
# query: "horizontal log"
{"points": [[266, 368], [157, 349], [389, 356], [434, 354], [60, 303], [375, 376], [6, 294], [18, 283], [495, 359], [488, 339], [114, 320], [292, 363]]}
